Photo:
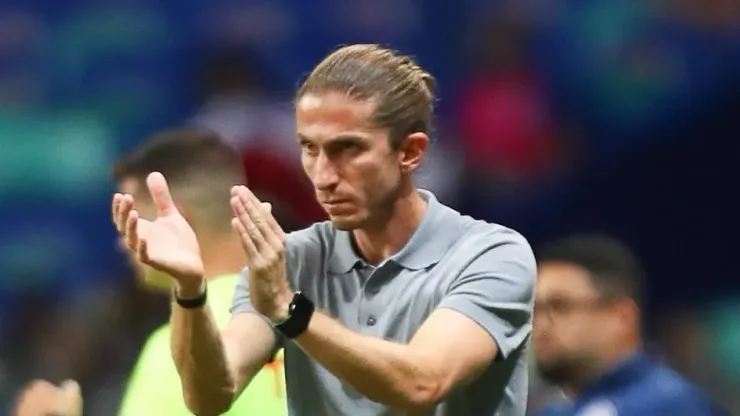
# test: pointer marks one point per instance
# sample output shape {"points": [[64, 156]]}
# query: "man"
{"points": [[587, 335], [396, 305], [201, 169]]}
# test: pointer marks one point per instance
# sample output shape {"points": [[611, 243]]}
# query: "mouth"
{"points": [[333, 202], [336, 207]]}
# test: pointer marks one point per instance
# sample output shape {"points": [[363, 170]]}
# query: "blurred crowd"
{"points": [[554, 117]]}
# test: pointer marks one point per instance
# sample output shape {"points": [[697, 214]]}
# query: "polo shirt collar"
{"points": [[425, 248]]}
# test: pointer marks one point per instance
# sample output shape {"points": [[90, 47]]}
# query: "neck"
{"points": [[221, 256], [379, 242]]}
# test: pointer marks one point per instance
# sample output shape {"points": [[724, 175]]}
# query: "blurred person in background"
{"points": [[587, 335], [202, 168], [240, 104], [508, 130]]}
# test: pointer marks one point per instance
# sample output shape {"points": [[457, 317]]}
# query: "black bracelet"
{"points": [[193, 303]]}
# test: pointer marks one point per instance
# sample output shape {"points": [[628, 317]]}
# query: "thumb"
{"points": [[160, 193], [72, 396]]}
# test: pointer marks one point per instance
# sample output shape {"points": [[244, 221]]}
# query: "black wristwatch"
{"points": [[300, 312]]}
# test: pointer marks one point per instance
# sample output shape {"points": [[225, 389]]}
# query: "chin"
{"points": [[348, 222], [559, 371], [345, 223]]}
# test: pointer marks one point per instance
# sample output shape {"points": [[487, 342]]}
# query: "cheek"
{"points": [[382, 184], [583, 334], [564, 336], [367, 173], [307, 164]]}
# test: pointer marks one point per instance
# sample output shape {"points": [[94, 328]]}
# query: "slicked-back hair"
{"points": [[403, 90]]}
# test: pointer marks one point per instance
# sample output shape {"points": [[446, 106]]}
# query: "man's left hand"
{"points": [[264, 244]]}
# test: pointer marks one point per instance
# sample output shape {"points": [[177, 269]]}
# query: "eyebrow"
{"points": [[338, 139]]}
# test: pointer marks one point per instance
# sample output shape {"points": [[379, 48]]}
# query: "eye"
{"points": [[559, 306], [346, 148], [309, 148]]}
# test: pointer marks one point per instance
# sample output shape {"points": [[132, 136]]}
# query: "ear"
{"points": [[412, 151], [629, 311]]}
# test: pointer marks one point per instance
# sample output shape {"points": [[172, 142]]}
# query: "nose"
{"points": [[325, 177]]}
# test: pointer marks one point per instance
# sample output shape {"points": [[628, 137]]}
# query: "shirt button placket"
{"points": [[368, 313]]}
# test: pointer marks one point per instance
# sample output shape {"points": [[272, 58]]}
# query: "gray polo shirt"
{"points": [[484, 271]]}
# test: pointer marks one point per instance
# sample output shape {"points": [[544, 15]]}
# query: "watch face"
{"points": [[299, 315], [298, 298]]}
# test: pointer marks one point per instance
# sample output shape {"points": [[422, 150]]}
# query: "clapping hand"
{"points": [[41, 398], [168, 243], [264, 244]]}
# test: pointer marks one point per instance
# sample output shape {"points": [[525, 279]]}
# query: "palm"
{"points": [[167, 244], [171, 247]]}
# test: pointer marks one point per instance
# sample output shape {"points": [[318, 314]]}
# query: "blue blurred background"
{"points": [[554, 117]]}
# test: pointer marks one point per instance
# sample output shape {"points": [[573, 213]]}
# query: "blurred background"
{"points": [[554, 117]]}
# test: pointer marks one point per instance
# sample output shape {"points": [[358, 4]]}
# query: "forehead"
{"points": [[563, 279], [327, 115]]}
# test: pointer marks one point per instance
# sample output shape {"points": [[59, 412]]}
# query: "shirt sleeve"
{"points": [[496, 290]]}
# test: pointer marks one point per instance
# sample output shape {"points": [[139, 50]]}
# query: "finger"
{"points": [[115, 206], [275, 235], [142, 251], [124, 209], [132, 235], [272, 222], [71, 388], [260, 217], [72, 396], [160, 192], [37, 394], [249, 248], [251, 231]]}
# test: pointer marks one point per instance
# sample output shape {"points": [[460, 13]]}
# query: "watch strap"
{"points": [[300, 311]]}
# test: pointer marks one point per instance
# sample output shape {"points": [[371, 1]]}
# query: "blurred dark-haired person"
{"points": [[587, 335], [201, 169]]}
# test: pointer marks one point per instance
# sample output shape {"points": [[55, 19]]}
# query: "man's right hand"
{"points": [[41, 398], [167, 244]]}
